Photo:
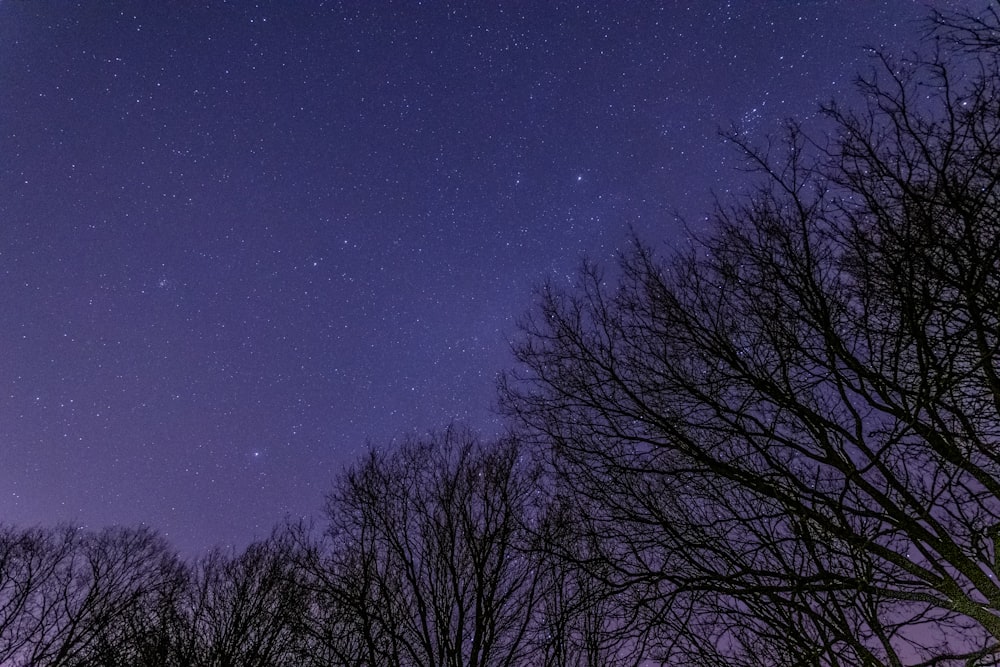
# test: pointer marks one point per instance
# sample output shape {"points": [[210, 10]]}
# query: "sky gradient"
{"points": [[240, 241]]}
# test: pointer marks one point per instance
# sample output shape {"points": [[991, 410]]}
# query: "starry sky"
{"points": [[241, 241]]}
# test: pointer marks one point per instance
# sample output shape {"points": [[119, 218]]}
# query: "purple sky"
{"points": [[239, 241]]}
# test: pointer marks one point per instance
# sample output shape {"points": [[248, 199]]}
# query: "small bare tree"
{"points": [[244, 609], [427, 560], [69, 596]]}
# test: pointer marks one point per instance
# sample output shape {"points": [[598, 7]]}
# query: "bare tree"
{"points": [[786, 442], [67, 595], [29, 560], [427, 560], [134, 580], [244, 609]]}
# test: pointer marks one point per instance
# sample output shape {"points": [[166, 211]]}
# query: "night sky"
{"points": [[241, 241]]}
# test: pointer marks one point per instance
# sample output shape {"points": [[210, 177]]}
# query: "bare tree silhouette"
{"points": [[786, 442]]}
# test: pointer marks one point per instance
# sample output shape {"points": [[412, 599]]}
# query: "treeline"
{"points": [[431, 556], [778, 447]]}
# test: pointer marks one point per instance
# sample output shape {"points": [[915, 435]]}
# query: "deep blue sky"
{"points": [[238, 240]]}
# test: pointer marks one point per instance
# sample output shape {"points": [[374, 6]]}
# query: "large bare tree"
{"points": [[786, 441]]}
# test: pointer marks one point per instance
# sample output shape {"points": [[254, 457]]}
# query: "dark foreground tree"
{"points": [[786, 443]]}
